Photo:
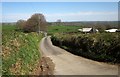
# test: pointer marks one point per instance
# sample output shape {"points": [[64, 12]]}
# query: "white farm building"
{"points": [[88, 30], [111, 30]]}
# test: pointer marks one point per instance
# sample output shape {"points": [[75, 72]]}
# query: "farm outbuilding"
{"points": [[111, 30], [88, 30]]}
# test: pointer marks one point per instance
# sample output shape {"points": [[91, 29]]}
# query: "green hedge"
{"points": [[103, 47]]}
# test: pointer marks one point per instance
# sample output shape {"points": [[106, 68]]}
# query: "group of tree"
{"points": [[35, 23]]}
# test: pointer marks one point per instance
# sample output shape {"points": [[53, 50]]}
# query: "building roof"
{"points": [[97, 30], [111, 30], [85, 29], [79, 29]]}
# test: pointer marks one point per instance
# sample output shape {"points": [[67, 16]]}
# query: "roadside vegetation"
{"points": [[102, 47], [21, 53], [20, 46]]}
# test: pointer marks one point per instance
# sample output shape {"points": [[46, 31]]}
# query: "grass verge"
{"points": [[20, 51]]}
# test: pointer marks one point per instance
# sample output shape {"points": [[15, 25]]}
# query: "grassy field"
{"points": [[20, 54], [63, 29], [97, 46]]}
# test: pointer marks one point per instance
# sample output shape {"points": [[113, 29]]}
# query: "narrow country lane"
{"points": [[69, 64]]}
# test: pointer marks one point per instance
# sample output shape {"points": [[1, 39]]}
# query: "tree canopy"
{"points": [[36, 22]]}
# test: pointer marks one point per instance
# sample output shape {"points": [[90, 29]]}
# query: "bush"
{"points": [[102, 47]]}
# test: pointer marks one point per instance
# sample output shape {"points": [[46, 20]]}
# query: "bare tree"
{"points": [[37, 23], [20, 24]]}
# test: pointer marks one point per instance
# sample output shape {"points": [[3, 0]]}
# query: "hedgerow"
{"points": [[103, 47]]}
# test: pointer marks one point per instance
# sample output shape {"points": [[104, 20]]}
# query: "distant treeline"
{"points": [[96, 24], [8, 23]]}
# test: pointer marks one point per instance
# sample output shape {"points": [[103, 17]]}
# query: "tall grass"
{"points": [[20, 51]]}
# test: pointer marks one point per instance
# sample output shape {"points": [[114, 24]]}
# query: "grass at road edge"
{"points": [[20, 51]]}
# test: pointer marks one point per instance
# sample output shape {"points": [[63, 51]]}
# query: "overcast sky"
{"points": [[66, 11]]}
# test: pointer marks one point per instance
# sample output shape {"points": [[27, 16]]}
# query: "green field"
{"points": [[63, 29], [21, 53]]}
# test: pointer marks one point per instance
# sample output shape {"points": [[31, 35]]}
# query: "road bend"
{"points": [[69, 64]]}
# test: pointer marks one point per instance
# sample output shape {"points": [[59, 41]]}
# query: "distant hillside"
{"points": [[96, 24], [9, 23]]}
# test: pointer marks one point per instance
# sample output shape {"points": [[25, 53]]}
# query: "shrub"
{"points": [[102, 47]]}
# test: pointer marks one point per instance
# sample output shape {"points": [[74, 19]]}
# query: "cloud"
{"points": [[14, 17], [82, 13], [75, 16], [84, 16]]}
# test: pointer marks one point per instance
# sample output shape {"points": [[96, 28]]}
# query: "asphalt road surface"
{"points": [[69, 64]]}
